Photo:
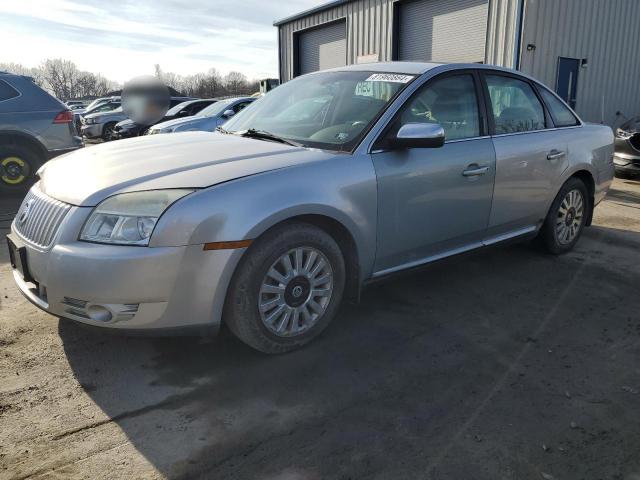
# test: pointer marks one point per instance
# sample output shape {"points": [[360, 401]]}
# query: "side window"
{"points": [[7, 91], [450, 102], [561, 115], [515, 106]]}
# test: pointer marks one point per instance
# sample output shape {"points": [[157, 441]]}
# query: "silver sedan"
{"points": [[269, 223]]}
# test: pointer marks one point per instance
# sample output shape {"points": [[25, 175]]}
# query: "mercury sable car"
{"points": [[267, 224]]}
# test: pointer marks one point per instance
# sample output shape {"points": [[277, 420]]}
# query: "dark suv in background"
{"points": [[34, 127]]}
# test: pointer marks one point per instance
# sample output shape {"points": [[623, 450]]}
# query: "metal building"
{"points": [[587, 50]]}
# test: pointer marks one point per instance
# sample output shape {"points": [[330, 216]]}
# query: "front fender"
{"points": [[342, 188]]}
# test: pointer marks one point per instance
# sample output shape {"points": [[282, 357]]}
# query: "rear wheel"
{"points": [[18, 166], [566, 218], [286, 289]]}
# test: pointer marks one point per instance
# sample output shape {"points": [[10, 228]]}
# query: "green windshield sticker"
{"points": [[389, 77]]}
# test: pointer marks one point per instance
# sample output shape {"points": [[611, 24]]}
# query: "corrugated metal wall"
{"points": [[606, 33], [370, 31], [502, 32]]}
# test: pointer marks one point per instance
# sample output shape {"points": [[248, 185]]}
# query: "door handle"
{"points": [[474, 171], [555, 154]]}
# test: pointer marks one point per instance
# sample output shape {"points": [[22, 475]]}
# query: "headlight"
{"points": [[129, 218]]}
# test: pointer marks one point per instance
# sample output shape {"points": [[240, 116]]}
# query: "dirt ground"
{"points": [[504, 364]]}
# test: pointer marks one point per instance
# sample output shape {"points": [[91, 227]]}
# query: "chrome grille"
{"points": [[39, 217]]}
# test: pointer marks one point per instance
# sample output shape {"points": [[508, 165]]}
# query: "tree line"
{"points": [[209, 84], [63, 79]]}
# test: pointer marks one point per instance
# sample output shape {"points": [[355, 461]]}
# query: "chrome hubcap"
{"points": [[295, 292], [569, 220]]}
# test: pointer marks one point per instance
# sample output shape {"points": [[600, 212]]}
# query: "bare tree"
{"points": [[20, 69], [235, 82]]}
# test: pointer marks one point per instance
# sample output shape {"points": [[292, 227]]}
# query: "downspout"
{"points": [[279, 56], [519, 31]]}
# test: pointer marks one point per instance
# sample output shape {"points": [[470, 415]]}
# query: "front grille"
{"points": [[635, 141], [39, 217]]}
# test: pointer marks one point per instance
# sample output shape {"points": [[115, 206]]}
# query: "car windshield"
{"points": [[215, 108], [328, 110], [95, 102], [175, 110]]}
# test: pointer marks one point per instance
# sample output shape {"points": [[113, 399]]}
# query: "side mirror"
{"points": [[228, 113], [419, 135]]}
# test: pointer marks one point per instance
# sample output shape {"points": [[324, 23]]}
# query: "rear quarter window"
{"points": [[560, 113], [7, 91]]}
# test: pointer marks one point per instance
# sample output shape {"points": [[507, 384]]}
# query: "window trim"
{"points": [[378, 144], [539, 87], [19, 93], [548, 122]]}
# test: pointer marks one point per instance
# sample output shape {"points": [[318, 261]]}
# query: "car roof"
{"points": [[417, 68], [409, 68]]}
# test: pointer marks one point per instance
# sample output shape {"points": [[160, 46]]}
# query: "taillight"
{"points": [[65, 116]]}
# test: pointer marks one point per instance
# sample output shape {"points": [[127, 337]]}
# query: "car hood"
{"points": [[182, 160], [193, 120]]}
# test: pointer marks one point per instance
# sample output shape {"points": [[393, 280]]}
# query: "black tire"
{"points": [[18, 166], [241, 312], [107, 131], [549, 236]]}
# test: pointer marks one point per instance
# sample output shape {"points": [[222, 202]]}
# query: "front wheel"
{"points": [[566, 219], [107, 131], [287, 288]]}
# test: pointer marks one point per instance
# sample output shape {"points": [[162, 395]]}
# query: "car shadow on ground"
{"points": [[500, 364]]}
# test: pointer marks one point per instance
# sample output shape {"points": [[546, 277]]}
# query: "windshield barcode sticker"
{"points": [[389, 77]]}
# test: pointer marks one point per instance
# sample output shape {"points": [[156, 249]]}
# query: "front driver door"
{"points": [[433, 202]]}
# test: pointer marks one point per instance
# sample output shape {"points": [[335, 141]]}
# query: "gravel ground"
{"points": [[505, 364]]}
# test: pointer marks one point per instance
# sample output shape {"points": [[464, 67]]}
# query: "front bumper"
{"points": [[119, 134], [626, 163], [126, 287], [93, 130]]}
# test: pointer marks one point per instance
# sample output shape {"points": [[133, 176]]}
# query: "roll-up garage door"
{"points": [[442, 30], [323, 47]]}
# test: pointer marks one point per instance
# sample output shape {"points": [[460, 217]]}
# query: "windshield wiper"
{"points": [[222, 130], [253, 133]]}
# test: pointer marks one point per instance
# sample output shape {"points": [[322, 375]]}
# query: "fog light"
{"points": [[99, 313]]}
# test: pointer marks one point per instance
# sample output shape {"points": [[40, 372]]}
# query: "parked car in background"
{"points": [[267, 224], [179, 109], [207, 119], [627, 156], [100, 105], [101, 123], [74, 103], [34, 127], [99, 101]]}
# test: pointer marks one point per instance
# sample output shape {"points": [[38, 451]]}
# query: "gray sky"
{"points": [[125, 38]]}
